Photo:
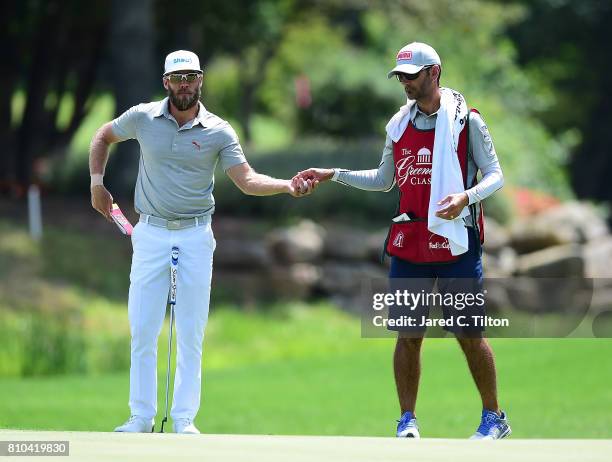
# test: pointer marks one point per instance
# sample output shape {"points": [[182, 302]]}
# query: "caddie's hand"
{"points": [[102, 201], [452, 205], [316, 174], [299, 187]]}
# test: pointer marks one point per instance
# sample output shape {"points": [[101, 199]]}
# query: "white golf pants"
{"points": [[149, 286]]}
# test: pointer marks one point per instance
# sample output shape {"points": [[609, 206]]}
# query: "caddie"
{"points": [[434, 148]]}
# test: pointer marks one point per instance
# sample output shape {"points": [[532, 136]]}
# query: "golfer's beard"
{"points": [[182, 103]]}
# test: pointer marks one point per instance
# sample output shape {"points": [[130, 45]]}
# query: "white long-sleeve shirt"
{"points": [[482, 158]]}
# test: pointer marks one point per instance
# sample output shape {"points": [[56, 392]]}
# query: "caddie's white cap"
{"points": [[182, 60], [414, 57]]}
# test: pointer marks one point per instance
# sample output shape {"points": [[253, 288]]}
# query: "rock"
{"points": [[581, 218], [531, 235], [598, 258], [247, 288], [501, 265], [351, 278], [544, 295], [572, 222], [277, 282], [375, 243], [555, 262], [297, 281], [345, 243], [301, 243], [602, 301], [240, 253], [496, 295], [496, 236]]}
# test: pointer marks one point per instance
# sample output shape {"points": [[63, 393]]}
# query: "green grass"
{"points": [[309, 372], [286, 369]]}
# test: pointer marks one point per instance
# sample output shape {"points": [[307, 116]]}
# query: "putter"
{"points": [[171, 302]]}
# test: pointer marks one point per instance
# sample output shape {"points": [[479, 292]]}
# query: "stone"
{"points": [[568, 223], [235, 252], [301, 243], [496, 236], [344, 243], [554, 262]]}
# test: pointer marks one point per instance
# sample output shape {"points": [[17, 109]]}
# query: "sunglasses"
{"points": [[178, 78], [402, 77]]}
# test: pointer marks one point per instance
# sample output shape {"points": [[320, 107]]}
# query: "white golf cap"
{"points": [[414, 57], [182, 60]]}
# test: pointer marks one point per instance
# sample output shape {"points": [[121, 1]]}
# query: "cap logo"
{"points": [[181, 60], [404, 55]]}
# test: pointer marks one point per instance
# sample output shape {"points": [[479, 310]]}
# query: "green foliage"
{"points": [[499, 207], [479, 61], [330, 201], [52, 317], [351, 95], [343, 79]]}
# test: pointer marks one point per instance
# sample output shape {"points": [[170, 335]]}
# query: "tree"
{"points": [[132, 73], [56, 47], [566, 44], [252, 32]]}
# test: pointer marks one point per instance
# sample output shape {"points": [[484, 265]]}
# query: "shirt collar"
{"points": [[163, 110], [414, 111]]}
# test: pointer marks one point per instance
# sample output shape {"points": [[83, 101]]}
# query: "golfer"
{"points": [[434, 148], [180, 145]]}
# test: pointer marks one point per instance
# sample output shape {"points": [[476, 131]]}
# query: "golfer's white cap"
{"points": [[414, 57], [182, 60]]}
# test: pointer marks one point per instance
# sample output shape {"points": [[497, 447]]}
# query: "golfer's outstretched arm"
{"points": [[256, 184], [377, 179]]}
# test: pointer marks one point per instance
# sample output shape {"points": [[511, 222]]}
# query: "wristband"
{"points": [[96, 180]]}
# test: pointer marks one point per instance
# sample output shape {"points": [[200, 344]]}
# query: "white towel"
{"points": [[446, 176]]}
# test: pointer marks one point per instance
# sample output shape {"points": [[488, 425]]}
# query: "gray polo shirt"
{"points": [[177, 164]]}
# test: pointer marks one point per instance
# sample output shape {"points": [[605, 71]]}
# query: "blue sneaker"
{"points": [[492, 426], [407, 426]]}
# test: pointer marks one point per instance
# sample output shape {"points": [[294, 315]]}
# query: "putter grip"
{"points": [[122, 223]]}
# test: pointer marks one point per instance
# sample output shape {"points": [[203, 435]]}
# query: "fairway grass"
{"points": [[558, 388]]}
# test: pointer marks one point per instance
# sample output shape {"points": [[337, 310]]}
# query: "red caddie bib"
{"points": [[412, 156]]}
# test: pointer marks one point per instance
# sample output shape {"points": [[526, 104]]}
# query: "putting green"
{"points": [[90, 446]]}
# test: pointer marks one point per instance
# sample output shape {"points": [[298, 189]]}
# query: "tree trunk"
{"points": [[37, 86], [133, 73]]}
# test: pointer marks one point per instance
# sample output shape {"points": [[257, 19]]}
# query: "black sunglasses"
{"points": [[178, 78], [403, 77]]}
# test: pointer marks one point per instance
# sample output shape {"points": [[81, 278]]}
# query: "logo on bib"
{"points": [[439, 245], [399, 240], [424, 156], [416, 169]]}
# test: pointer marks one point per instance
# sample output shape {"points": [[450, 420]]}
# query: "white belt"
{"points": [[179, 223]]}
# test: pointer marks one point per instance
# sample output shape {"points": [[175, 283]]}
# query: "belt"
{"points": [[179, 223]]}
